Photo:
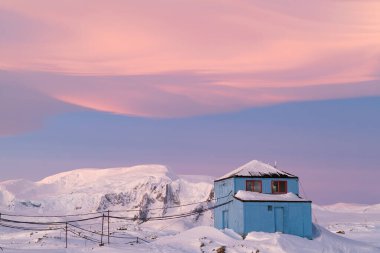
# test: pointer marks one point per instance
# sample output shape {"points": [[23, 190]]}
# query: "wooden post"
{"points": [[101, 236], [66, 235], [108, 229]]}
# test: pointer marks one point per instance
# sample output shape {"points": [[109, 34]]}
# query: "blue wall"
{"points": [[296, 217], [239, 184], [245, 217], [235, 211], [223, 188]]}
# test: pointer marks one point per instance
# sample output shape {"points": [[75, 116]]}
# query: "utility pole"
{"points": [[108, 226], [101, 236], [66, 235]]}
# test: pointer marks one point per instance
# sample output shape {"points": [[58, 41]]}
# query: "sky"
{"points": [[199, 86]]}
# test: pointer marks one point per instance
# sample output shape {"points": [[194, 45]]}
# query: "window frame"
{"points": [[278, 187], [253, 183]]}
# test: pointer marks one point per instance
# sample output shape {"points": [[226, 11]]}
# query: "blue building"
{"points": [[260, 197]]}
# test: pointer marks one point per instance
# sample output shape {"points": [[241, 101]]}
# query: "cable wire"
{"points": [[101, 212]]}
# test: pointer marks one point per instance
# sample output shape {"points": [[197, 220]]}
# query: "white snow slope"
{"points": [[148, 191]]}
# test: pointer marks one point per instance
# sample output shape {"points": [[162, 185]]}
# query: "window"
{"points": [[270, 208], [253, 185], [279, 187]]}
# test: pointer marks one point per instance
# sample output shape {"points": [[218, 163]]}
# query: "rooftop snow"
{"points": [[256, 169], [255, 196]]}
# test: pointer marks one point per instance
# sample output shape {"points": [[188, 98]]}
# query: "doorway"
{"points": [[279, 219], [225, 219]]}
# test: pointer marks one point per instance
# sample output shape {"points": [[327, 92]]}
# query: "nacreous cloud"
{"points": [[179, 58]]}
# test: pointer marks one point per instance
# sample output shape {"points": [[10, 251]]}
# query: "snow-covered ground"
{"points": [[138, 196], [358, 222]]}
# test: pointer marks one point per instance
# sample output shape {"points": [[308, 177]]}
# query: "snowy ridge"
{"points": [[256, 168]]}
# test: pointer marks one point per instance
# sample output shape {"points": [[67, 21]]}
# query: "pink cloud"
{"points": [[182, 58], [175, 94], [129, 37]]}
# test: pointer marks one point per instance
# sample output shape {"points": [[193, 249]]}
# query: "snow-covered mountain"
{"points": [[87, 190], [154, 191]]}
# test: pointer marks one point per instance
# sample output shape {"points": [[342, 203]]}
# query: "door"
{"points": [[225, 218], [279, 219]]}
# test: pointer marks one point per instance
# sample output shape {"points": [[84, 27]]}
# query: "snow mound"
{"points": [[324, 241], [193, 240], [209, 239]]}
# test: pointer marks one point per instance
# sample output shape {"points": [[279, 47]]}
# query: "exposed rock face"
{"points": [[113, 199], [161, 195], [29, 203], [172, 195]]}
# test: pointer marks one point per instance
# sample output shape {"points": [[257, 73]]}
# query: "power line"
{"points": [[50, 216], [97, 233], [29, 228], [58, 224], [181, 215], [49, 223], [116, 217], [173, 216], [115, 211], [83, 236]]}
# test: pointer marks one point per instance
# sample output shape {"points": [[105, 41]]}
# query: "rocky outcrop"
{"points": [[149, 199], [160, 195]]}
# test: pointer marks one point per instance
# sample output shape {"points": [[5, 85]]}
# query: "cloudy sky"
{"points": [[201, 86]]}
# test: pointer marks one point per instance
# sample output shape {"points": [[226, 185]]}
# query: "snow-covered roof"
{"points": [[256, 169], [255, 196]]}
